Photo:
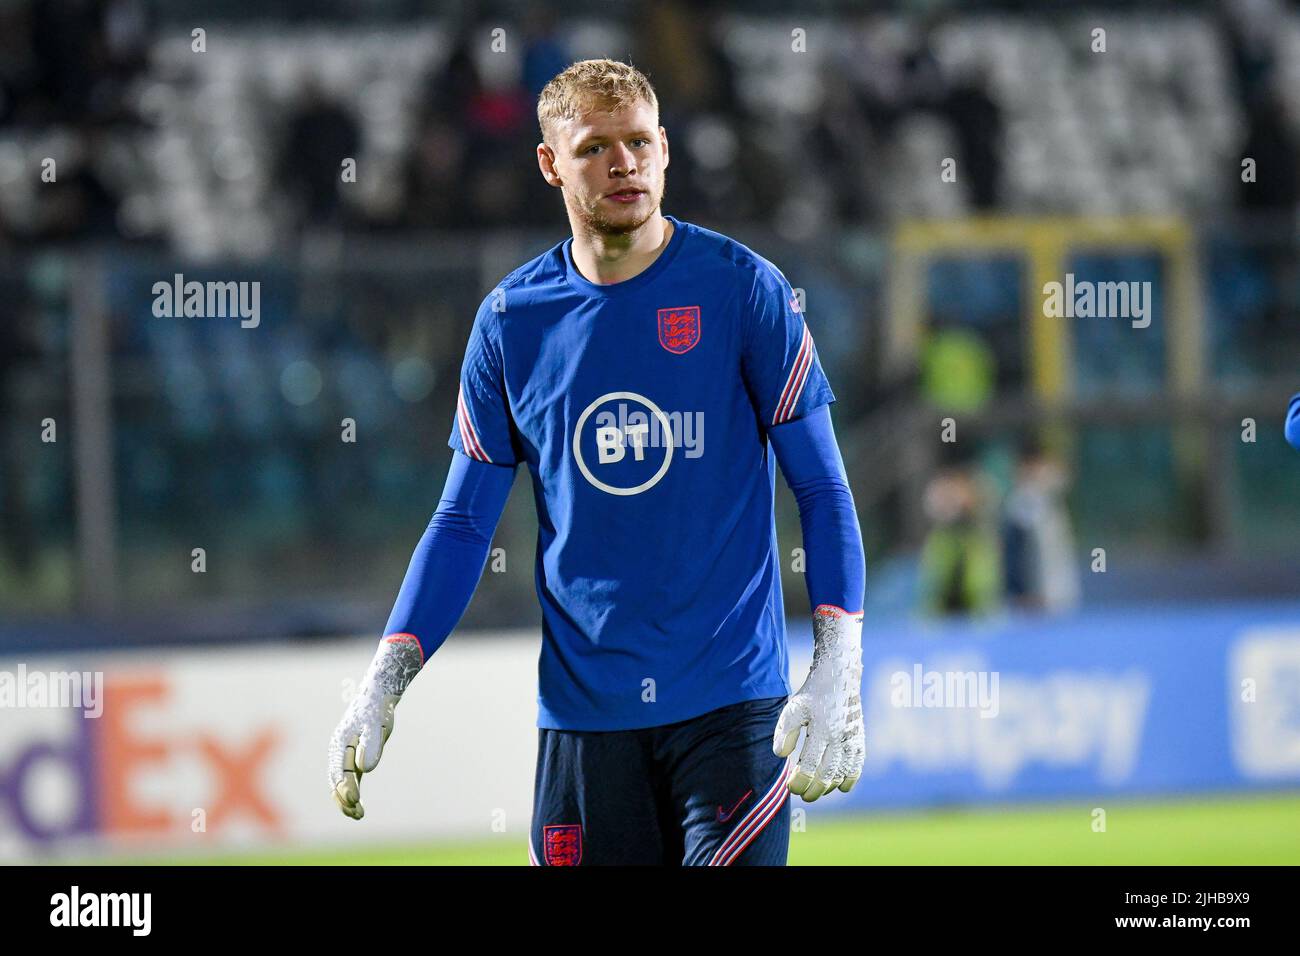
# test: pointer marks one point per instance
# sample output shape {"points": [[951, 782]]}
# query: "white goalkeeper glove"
{"points": [[359, 739], [829, 704]]}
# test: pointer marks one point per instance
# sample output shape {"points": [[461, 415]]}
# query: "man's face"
{"points": [[610, 166]]}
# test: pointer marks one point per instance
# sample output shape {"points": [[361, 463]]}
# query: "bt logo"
{"points": [[649, 438]]}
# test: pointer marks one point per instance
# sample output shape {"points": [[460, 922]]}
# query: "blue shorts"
{"points": [[702, 792]]}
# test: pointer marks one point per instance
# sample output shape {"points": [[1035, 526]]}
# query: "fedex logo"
{"points": [[101, 777]]}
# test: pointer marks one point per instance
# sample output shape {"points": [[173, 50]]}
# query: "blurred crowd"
{"points": [[98, 84]]}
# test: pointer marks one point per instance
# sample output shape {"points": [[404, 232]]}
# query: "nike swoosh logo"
{"points": [[724, 817]]}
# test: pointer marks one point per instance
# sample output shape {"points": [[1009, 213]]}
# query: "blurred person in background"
{"points": [[1254, 31], [676, 43], [82, 204], [976, 119], [958, 369], [18, 538], [457, 177], [545, 54], [1039, 561], [961, 569], [321, 132], [433, 175]]}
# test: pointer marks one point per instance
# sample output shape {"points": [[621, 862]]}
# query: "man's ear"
{"points": [[546, 163], [663, 135]]}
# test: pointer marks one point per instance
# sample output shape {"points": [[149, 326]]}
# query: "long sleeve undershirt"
{"points": [[449, 560], [810, 460]]}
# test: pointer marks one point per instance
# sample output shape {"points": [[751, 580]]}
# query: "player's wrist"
{"points": [[837, 638], [397, 660]]}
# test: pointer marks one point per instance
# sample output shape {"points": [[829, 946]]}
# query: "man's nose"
{"points": [[623, 163]]}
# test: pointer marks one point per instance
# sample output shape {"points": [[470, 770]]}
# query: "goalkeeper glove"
{"points": [[359, 739], [829, 704]]}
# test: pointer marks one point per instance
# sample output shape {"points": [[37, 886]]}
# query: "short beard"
{"points": [[595, 222]]}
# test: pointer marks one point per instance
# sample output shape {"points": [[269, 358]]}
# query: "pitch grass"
{"points": [[1239, 830]]}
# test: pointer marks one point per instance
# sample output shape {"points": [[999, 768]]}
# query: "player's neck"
{"points": [[605, 259]]}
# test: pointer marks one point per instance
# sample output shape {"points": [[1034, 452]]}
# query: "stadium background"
{"points": [[1168, 697]]}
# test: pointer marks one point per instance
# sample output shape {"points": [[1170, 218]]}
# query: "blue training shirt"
{"points": [[640, 408]]}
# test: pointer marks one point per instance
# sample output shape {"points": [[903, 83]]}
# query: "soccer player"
{"points": [[649, 373]]}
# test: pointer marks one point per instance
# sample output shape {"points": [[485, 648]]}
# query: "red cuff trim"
{"points": [[834, 610], [407, 637]]}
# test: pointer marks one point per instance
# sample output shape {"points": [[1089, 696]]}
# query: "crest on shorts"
{"points": [[679, 328], [562, 845]]}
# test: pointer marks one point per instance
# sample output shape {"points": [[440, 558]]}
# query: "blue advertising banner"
{"points": [[1139, 701]]}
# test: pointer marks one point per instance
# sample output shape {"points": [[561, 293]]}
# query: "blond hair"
{"points": [[588, 83]]}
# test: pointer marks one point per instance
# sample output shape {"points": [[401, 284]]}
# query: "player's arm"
{"points": [[439, 583], [447, 563], [788, 388], [829, 702], [1293, 422]]}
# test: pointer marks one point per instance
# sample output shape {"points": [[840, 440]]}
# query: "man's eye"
{"points": [[640, 140], [591, 149]]}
